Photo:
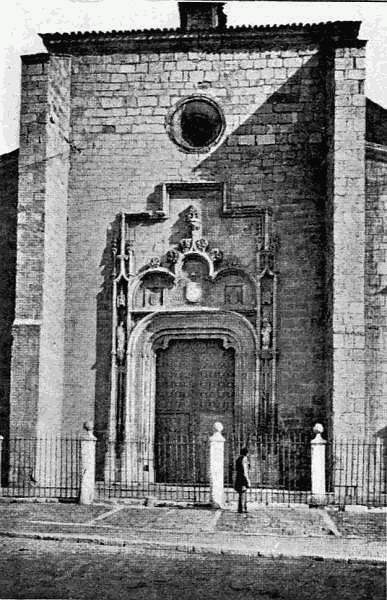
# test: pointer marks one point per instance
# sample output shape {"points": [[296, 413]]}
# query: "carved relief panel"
{"points": [[194, 273]]}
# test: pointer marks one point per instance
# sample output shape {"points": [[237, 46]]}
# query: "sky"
{"points": [[22, 20]]}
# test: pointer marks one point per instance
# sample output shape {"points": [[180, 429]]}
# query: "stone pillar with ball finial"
{"points": [[88, 440], [318, 446], [216, 466]]}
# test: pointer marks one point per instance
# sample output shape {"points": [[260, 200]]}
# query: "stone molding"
{"points": [[158, 329]]}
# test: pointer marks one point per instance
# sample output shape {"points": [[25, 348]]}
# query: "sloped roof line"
{"points": [[347, 28]]}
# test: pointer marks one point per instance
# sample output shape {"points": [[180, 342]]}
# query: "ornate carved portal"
{"points": [[194, 294]]}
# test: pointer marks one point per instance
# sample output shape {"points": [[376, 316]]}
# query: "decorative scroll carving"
{"points": [[189, 267], [193, 272]]}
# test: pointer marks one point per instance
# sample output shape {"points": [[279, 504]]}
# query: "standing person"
{"points": [[242, 480]]}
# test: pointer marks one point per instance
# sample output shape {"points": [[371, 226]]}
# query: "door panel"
{"points": [[194, 388]]}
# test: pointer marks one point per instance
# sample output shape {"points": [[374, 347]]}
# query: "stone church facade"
{"points": [[199, 234]]}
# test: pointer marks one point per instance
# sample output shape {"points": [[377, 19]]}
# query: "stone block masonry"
{"points": [[346, 198], [273, 102], [376, 291], [37, 365]]}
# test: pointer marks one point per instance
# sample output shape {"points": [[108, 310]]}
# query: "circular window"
{"points": [[195, 123]]}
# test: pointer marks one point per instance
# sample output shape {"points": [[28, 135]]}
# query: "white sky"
{"points": [[23, 19]]}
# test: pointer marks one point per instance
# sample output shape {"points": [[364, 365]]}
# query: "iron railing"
{"points": [[279, 466], [173, 467], [356, 472], [44, 467]]}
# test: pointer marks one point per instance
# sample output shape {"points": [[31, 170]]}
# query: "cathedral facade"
{"points": [[199, 234]]}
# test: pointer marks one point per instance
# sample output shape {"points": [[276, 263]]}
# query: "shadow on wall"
{"points": [[8, 221], [104, 348], [275, 158], [376, 123]]}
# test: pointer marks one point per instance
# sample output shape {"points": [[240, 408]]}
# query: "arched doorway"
{"points": [[175, 351]]}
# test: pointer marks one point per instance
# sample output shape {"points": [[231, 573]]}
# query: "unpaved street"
{"points": [[42, 569]]}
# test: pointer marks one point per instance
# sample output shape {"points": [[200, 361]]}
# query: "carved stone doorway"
{"points": [[195, 386]]}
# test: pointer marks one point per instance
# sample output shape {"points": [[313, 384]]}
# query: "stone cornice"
{"points": [[337, 33]]}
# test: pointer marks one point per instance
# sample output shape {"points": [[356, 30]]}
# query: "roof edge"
{"points": [[336, 32]]}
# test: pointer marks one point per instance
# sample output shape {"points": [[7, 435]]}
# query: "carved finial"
{"points": [[192, 218], [218, 427], [216, 255], [172, 256], [154, 262], [318, 428], [202, 245], [185, 244], [114, 245]]}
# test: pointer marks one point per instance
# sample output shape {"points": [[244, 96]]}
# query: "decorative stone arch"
{"points": [[155, 331]]}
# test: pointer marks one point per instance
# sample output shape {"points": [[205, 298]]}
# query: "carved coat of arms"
{"points": [[193, 291]]}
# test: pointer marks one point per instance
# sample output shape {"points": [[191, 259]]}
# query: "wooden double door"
{"points": [[195, 386]]}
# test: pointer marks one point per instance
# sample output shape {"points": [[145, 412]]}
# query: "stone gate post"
{"points": [[88, 442], [216, 466], [318, 446]]}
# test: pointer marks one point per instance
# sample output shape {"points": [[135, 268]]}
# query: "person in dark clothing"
{"points": [[242, 480]]}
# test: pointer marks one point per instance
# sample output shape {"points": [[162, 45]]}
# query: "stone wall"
{"points": [[346, 199], [272, 155], [37, 380], [376, 290], [8, 204]]}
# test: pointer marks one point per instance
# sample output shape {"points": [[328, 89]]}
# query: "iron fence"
{"points": [[44, 467], [356, 472], [279, 466], [175, 468], [172, 467]]}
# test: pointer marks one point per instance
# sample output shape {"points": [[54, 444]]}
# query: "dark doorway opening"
{"points": [[195, 386]]}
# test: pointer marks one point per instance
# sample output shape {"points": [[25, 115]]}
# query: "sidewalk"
{"points": [[265, 531]]}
